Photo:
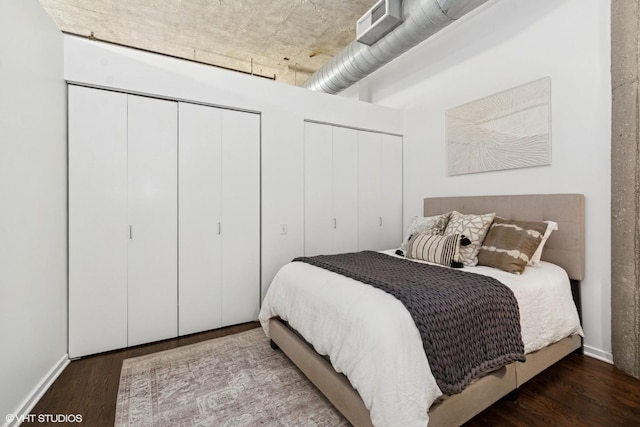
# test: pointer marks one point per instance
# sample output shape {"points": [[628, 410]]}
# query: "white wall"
{"points": [[283, 110], [502, 45], [33, 213]]}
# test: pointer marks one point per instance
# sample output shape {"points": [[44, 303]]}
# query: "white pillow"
{"points": [[425, 225], [535, 258]]}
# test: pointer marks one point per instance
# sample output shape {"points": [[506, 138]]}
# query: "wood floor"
{"points": [[577, 391]]}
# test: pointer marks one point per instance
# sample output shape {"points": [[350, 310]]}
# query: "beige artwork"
{"points": [[507, 130]]}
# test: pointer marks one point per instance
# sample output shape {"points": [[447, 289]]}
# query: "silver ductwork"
{"points": [[422, 19]]}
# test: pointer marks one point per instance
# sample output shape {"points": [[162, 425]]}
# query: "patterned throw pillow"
{"points": [[551, 226], [473, 227], [425, 225], [510, 245], [434, 248]]}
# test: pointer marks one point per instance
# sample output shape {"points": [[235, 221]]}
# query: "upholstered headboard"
{"points": [[565, 246]]}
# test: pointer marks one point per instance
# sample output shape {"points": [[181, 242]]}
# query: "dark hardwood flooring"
{"points": [[89, 386], [577, 391]]}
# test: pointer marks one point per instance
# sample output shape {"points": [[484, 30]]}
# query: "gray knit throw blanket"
{"points": [[469, 323]]}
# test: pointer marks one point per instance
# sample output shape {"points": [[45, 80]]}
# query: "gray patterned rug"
{"points": [[235, 381]]}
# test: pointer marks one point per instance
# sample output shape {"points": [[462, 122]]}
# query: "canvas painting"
{"points": [[507, 130]]}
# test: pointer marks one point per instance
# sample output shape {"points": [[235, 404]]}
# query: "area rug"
{"points": [[237, 380]]}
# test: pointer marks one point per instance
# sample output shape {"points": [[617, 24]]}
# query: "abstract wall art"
{"points": [[507, 130]]}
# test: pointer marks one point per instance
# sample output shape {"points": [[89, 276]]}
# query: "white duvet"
{"points": [[371, 338]]}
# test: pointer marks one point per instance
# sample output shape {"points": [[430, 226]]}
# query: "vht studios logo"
{"points": [[44, 418]]}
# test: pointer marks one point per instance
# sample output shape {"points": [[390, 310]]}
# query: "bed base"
{"points": [[335, 386], [452, 411]]}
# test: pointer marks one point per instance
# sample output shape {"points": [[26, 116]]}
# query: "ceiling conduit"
{"points": [[421, 19]]}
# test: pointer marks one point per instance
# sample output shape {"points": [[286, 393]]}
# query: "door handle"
{"points": [[219, 228], [380, 221], [335, 223]]}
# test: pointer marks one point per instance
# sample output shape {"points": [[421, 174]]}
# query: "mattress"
{"points": [[361, 328]]}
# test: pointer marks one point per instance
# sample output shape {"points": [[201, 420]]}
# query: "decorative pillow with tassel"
{"points": [[438, 249], [475, 228]]}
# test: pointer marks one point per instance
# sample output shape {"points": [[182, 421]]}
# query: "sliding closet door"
{"points": [[391, 191], [152, 216], [318, 189], [345, 189], [200, 204], [380, 191], [219, 252], [330, 189], [240, 217], [370, 220], [97, 221]]}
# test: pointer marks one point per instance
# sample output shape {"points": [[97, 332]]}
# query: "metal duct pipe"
{"points": [[421, 19]]}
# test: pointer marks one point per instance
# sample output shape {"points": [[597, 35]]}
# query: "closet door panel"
{"points": [[345, 189], [200, 216], [318, 189], [240, 217], [97, 221], [152, 201], [391, 191], [370, 219]]}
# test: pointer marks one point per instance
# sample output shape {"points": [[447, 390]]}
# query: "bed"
{"points": [[402, 398]]}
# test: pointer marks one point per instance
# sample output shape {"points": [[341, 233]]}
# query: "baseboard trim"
{"points": [[38, 391], [598, 354]]}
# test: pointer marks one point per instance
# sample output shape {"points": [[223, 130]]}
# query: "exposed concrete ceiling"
{"points": [[288, 39]]}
